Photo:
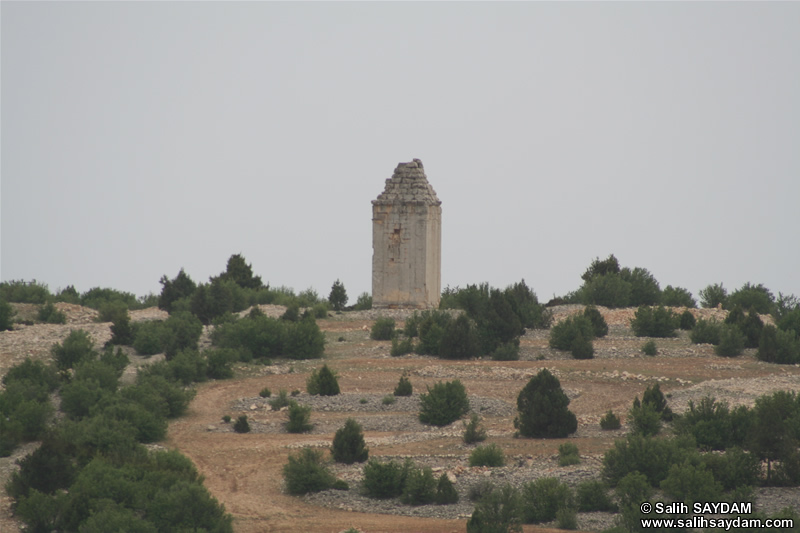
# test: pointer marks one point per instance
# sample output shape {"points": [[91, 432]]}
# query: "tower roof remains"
{"points": [[408, 185]]}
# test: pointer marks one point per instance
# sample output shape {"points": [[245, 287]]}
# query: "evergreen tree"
{"points": [[338, 296], [543, 411], [348, 444]]}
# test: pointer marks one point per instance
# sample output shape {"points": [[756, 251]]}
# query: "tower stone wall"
{"points": [[407, 241]]}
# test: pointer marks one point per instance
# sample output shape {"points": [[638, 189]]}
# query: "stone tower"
{"points": [[407, 241]]}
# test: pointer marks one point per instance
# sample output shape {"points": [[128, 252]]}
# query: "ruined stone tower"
{"points": [[407, 241]]}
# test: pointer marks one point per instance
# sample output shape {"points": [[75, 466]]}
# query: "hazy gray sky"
{"points": [[139, 138]]}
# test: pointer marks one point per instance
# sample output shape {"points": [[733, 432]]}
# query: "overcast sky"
{"points": [[139, 138]]}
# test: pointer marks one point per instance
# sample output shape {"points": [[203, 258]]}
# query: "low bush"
{"points": [[687, 320], [751, 328], [706, 332], [401, 347], [292, 313], [480, 490], [752, 297], [654, 322], [487, 455], [656, 398], [77, 347], [649, 348], [306, 472], [568, 454], [323, 382], [543, 498], [599, 325], [592, 496], [6, 316], [507, 352], [19, 291], [299, 418], [348, 444], [610, 421], [731, 342], [563, 334], [385, 480], [443, 404], [473, 431], [50, 315], [147, 337], [567, 518], [734, 469], [778, 346], [708, 422], [403, 387], [652, 457], [241, 425], [281, 400], [265, 392], [446, 493], [499, 511], [363, 302], [389, 399], [180, 331], [713, 296], [420, 487], [688, 482], [459, 339], [644, 419], [677, 297], [382, 329]]}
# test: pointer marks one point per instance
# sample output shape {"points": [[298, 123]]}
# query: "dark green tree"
{"points": [[543, 409], [499, 511], [241, 273], [323, 382], [459, 340], [338, 296], [348, 444], [77, 347], [6, 315], [179, 287], [444, 403]]}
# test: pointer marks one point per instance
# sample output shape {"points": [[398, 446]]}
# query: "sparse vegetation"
{"points": [[382, 329], [473, 430], [568, 454], [487, 455]]}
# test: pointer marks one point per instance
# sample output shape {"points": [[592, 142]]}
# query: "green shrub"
{"points": [[581, 347], [563, 334], [320, 310], [226, 419], [543, 409], [281, 400], [708, 422], [121, 329], [348, 444], [751, 328], [592, 496], [599, 325], [323, 382], [487, 455], [180, 331], [385, 480], [389, 399], [649, 348], [299, 418], [147, 337], [644, 419], [778, 346], [677, 297], [473, 431], [33, 375], [567, 518], [789, 319], [459, 340], [687, 320], [188, 366], [568, 454], [653, 396], [499, 511], [543, 498], [420, 487], [180, 287], [306, 472], [609, 290], [292, 313], [690, 483], [304, 340], [610, 421], [446, 493], [382, 329], [77, 347], [443, 404], [19, 291], [632, 490], [241, 425], [713, 296], [650, 322], [734, 469], [706, 332], [480, 490], [6, 316], [363, 302], [338, 296], [265, 392], [752, 297], [50, 315], [403, 387], [507, 352], [652, 457], [401, 347], [219, 362], [731, 342]]}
